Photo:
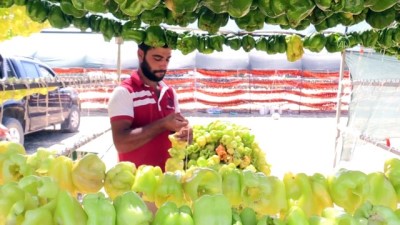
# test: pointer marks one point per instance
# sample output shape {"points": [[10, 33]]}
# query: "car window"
{"points": [[7, 68], [45, 72], [30, 70]]}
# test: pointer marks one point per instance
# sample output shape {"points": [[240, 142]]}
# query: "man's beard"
{"points": [[144, 66]]}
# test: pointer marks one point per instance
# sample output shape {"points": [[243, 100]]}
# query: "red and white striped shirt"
{"points": [[135, 101]]}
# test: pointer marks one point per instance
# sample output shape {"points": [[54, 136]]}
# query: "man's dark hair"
{"points": [[142, 46]]}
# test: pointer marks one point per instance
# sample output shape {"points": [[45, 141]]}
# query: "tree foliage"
{"points": [[15, 22]]}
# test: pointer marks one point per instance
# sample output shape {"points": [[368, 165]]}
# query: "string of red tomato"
{"points": [[326, 105], [233, 93]]}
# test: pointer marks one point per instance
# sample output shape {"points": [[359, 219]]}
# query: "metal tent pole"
{"points": [[119, 41], [339, 105]]}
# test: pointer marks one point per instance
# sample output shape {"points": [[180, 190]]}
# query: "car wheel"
{"points": [[16, 133], [71, 124]]}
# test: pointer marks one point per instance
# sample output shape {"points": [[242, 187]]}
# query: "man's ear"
{"points": [[140, 54]]}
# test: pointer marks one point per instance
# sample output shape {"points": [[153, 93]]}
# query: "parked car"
{"points": [[36, 111]]}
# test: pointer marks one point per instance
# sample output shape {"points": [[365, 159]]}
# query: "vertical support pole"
{"points": [[339, 105], [119, 41]]}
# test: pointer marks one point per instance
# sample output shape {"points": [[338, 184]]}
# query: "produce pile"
{"points": [[45, 188], [140, 21], [215, 144]]}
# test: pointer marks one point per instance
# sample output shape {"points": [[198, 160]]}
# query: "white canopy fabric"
{"points": [[88, 50]]}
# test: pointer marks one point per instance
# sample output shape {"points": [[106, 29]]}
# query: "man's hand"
{"points": [[175, 122], [185, 134]]}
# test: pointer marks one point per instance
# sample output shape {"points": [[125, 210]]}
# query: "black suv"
{"points": [[38, 109]]}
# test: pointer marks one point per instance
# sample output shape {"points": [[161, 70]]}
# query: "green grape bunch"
{"points": [[218, 143]]}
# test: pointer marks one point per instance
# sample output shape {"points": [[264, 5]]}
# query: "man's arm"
{"points": [[127, 139]]}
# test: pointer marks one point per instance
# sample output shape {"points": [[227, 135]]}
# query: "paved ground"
{"points": [[296, 143]]}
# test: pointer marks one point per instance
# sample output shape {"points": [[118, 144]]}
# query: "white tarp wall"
{"points": [[374, 109]]}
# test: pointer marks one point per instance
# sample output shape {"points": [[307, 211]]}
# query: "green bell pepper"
{"points": [[68, 8], [204, 45], [353, 6], [294, 47], [181, 6], [318, 16], [248, 42], [385, 39], [88, 173], [68, 210], [134, 8], [298, 10], [252, 21], [198, 181], [10, 194], [170, 214], [391, 170], [210, 21], [155, 36], [99, 209], [276, 44], [134, 34], [376, 214], [96, 6], [147, 180], [315, 42], [40, 215], [171, 38], [261, 44], [170, 189], [94, 22], [217, 42], [81, 23], [119, 179], [15, 167], [332, 43], [132, 210], [235, 8], [187, 43], [233, 41], [382, 5], [155, 16], [369, 38], [239, 8], [348, 188], [182, 20], [107, 28], [57, 18], [38, 10], [380, 20], [273, 8], [231, 183], [323, 5], [321, 196], [212, 210], [296, 216], [61, 172], [299, 193], [264, 194], [248, 216], [381, 191]]}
